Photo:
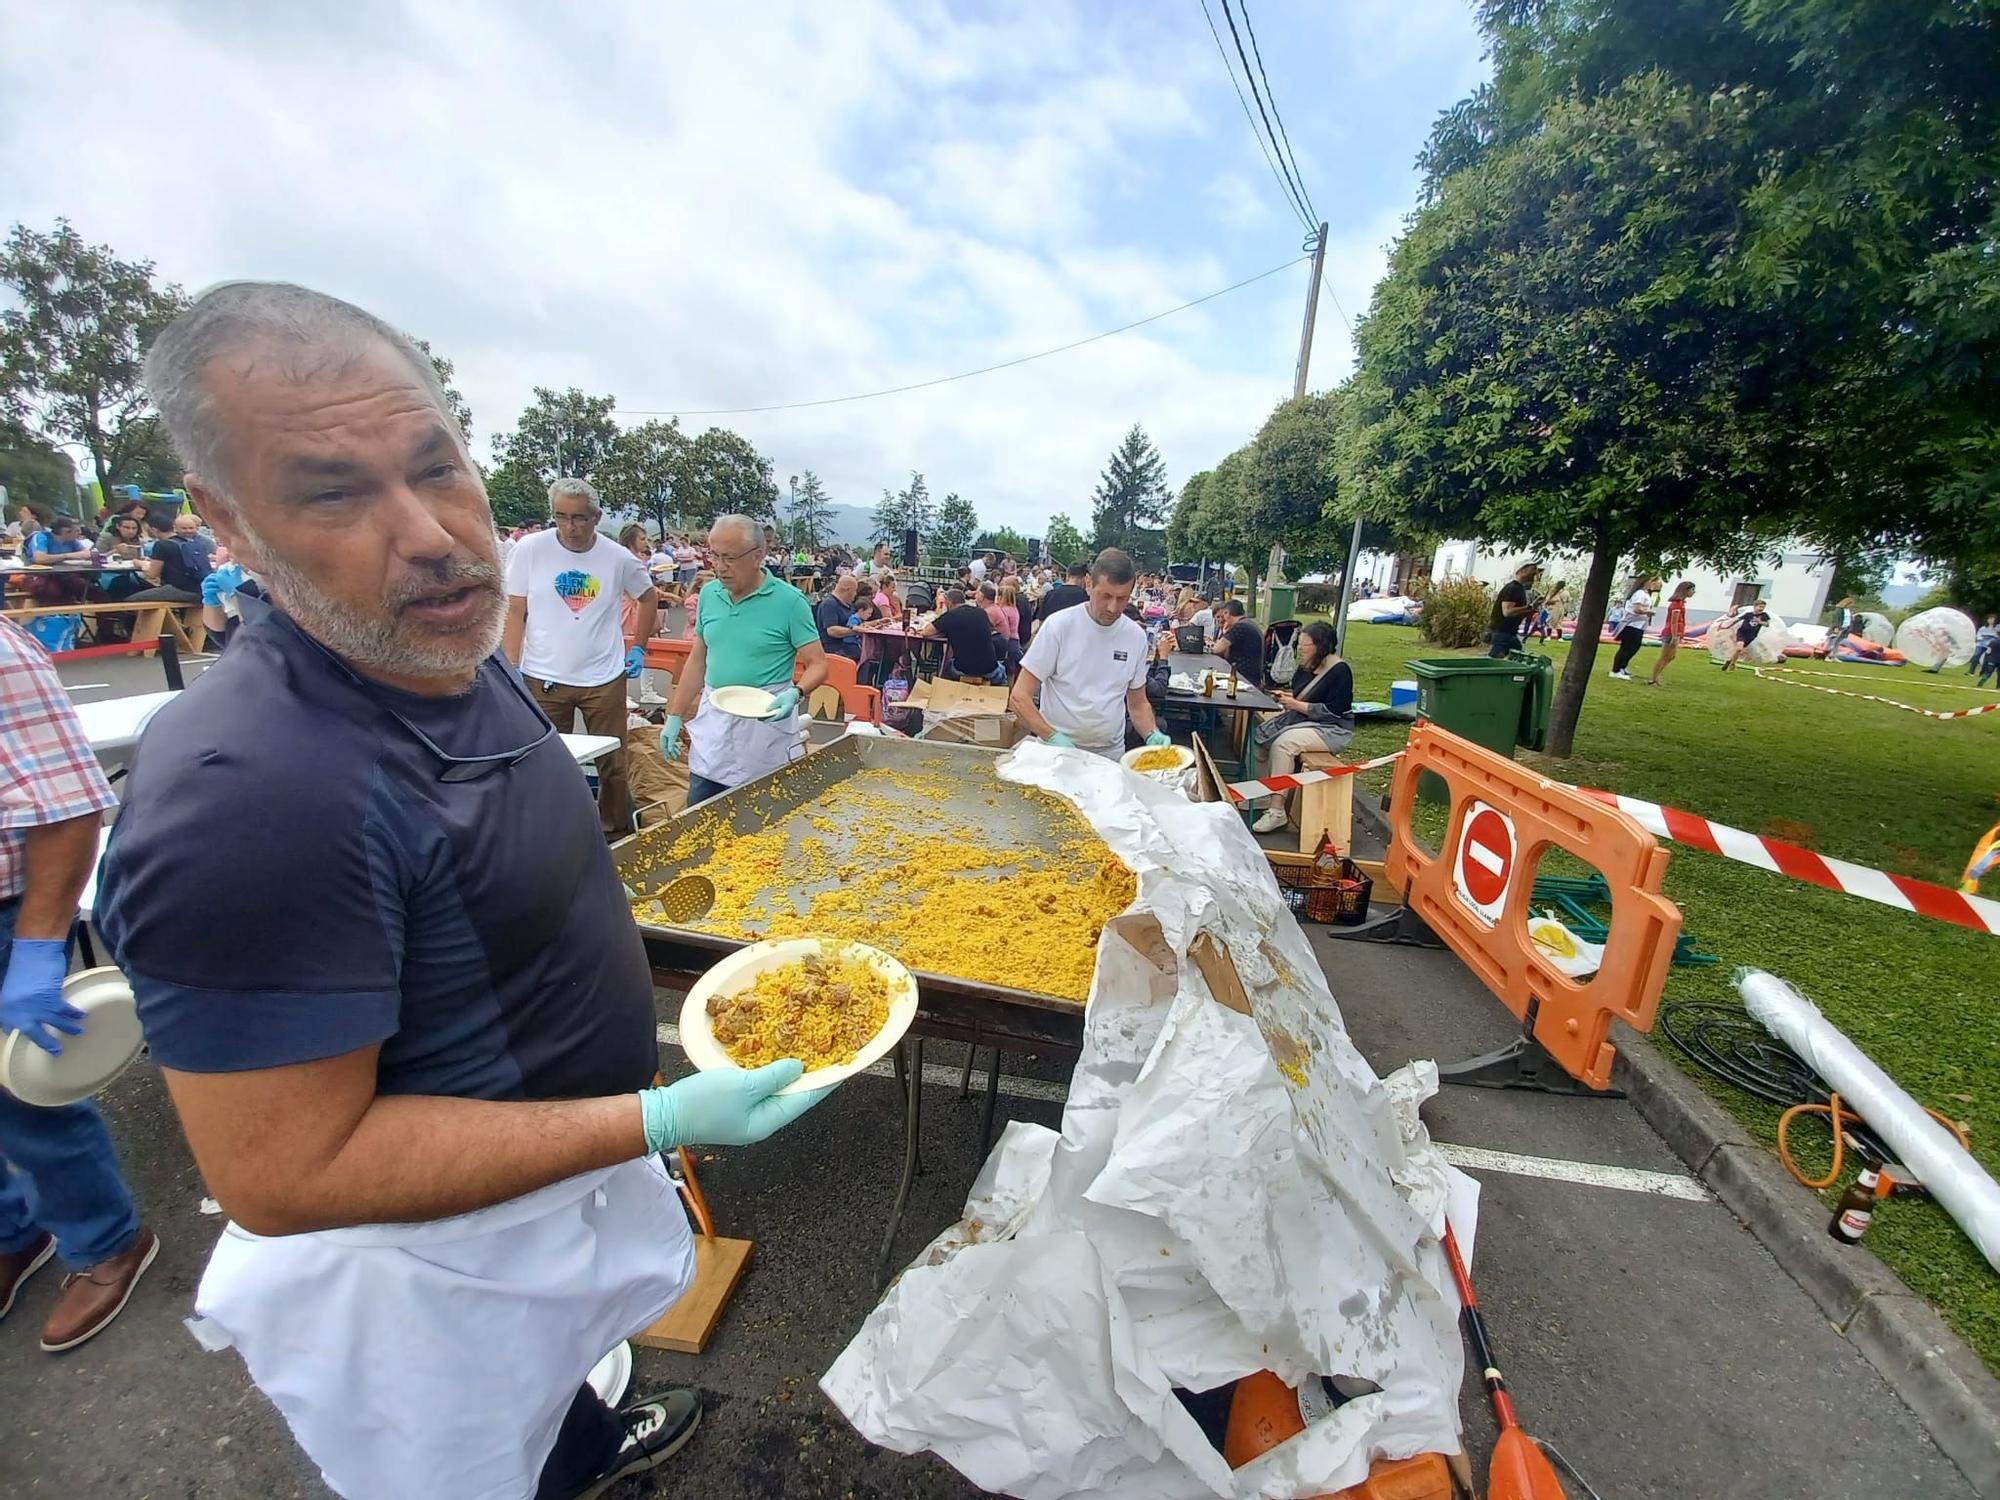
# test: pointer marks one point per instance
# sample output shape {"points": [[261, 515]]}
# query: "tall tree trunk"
{"points": [[1590, 609]]}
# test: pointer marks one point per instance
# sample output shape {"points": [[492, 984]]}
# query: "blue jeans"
{"points": [[58, 1171], [700, 788]]}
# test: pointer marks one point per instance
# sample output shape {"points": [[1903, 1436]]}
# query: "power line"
{"points": [[1007, 364], [1229, 68], [1271, 94], [1298, 194]]}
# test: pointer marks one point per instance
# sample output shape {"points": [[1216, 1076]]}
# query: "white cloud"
{"points": [[743, 205]]}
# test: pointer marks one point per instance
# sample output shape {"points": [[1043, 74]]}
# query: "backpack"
{"points": [[1281, 652]]}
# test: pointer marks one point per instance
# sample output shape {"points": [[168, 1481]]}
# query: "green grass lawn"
{"points": [[1860, 781]]}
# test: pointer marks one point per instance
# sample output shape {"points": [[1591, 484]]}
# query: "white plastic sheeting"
{"points": [[1956, 1181], [1370, 610], [1937, 637], [1203, 1214]]}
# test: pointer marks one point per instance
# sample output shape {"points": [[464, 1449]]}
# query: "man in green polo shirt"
{"points": [[749, 629]]}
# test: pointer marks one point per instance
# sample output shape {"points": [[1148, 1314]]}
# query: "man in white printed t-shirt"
{"points": [[563, 630], [1089, 667]]}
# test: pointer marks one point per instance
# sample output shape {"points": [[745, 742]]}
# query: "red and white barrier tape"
{"points": [[1770, 674], [1899, 891], [1933, 685], [1264, 786]]}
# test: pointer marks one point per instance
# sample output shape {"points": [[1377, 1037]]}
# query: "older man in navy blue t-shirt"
{"points": [[413, 1052]]}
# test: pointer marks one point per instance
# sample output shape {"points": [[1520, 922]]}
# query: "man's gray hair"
{"points": [[749, 526], [309, 330], [1113, 565], [578, 489]]}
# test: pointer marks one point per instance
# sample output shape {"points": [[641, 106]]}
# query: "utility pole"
{"points": [[1312, 308]]}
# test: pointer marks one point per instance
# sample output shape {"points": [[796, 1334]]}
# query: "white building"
{"points": [[1793, 583]]}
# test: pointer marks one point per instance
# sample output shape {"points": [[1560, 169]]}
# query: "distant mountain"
{"points": [[1903, 595], [849, 523]]}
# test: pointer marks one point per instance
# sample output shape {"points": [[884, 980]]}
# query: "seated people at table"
{"points": [[174, 567], [122, 537], [1065, 595], [62, 538], [751, 630], [1318, 715], [187, 527], [966, 630], [1193, 610], [839, 633], [1007, 601], [1088, 666], [888, 603], [1241, 642]]}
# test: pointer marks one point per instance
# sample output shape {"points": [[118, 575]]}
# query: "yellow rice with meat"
{"points": [[822, 1010], [1165, 758]]}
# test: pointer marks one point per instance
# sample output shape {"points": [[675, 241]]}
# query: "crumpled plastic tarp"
{"points": [[1226, 1195]]}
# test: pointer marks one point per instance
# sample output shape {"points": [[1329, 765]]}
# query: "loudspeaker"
{"points": [[910, 548], [1034, 550]]}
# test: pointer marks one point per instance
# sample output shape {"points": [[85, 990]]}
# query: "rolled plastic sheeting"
{"points": [[1959, 1184]]}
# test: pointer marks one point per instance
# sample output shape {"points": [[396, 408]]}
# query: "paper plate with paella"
{"points": [[837, 1006]]}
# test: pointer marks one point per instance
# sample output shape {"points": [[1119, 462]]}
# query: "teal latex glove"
{"points": [[1061, 740], [226, 579], [1156, 739], [31, 998], [725, 1107], [783, 704], [670, 737], [635, 658]]}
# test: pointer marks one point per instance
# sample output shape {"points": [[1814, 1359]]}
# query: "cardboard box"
{"points": [[966, 713]]}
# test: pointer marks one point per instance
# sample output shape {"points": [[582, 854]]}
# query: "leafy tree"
{"points": [[517, 495], [898, 513], [1180, 521], [1003, 539], [1291, 482], [1064, 543], [562, 435], [71, 346], [1551, 362], [812, 510], [957, 525], [1129, 507], [454, 401], [35, 473], [647, 472], [726, 475]]}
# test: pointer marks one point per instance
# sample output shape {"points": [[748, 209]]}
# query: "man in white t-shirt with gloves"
{"points": [[1088, 666], [563, 630]]}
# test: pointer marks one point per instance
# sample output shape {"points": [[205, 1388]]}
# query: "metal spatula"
{"points": [[686, 899]]}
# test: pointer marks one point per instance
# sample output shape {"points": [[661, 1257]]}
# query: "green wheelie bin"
{"points": [[1498, 702]]}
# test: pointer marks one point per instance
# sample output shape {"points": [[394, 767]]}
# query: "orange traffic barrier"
{"points": [[1474, 894], [667, 655], [1264, 1412]]}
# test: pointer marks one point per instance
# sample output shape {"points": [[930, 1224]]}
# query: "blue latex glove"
{"points": [[31, 999], [1061, 740], [670, 737], [725, 1107], [226, 579], [1156, 739], [783, 704], [635, 658]]}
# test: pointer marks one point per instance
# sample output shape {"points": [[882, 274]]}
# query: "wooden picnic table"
{"points": [[1249, 699], [888, 640]]}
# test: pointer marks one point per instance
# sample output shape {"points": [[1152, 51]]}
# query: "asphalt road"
{"points": [[1645, 1333]]}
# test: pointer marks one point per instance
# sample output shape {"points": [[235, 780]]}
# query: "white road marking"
{"points": [[1588, 1174], [1470, 1158], [1485, 856]]}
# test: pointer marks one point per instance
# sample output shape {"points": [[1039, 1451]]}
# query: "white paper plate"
{"points": [[1184, 758], [110, 1040], [610, 1376], [744, 702], [740, 970]]}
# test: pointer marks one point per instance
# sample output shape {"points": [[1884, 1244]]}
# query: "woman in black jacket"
{"points": [[1318, 715]]}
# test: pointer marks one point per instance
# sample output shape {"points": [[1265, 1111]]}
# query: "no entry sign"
{"points": [[1483, 866]]}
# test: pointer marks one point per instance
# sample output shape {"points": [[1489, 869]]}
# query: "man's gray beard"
{"points": [[375, 643]]}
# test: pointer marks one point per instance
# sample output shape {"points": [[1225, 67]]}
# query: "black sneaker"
{"points": [[654, 1432]]}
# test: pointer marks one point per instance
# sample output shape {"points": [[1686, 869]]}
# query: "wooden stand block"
{"points": [[687, 1326], [1325, 807]]}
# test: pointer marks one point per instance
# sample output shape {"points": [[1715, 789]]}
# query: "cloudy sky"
{"points": [[729, 206]]}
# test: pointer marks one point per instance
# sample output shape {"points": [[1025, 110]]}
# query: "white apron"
{"points": [[436, 1360], [731, 750]]}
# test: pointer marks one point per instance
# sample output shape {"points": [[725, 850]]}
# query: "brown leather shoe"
{"points": [[90, 1299], [17, 1267]]}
